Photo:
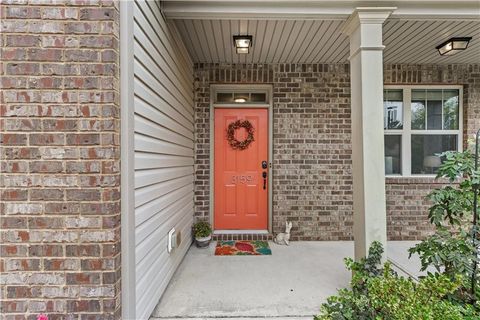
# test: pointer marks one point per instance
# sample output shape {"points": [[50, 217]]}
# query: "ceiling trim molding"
{"points": [[318, 10]]}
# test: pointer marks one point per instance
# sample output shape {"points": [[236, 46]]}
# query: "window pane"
{"points": [[425, 149], [258, 97], [434, 109], [393, 109], [418, 109], [393, 154], [419, 94], [241, 97], [393, 95], [225, 97], [450, 109], [433, 94]]}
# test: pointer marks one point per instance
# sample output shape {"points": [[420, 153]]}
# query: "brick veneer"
{"points": [[60, 206], [312, 151], [312, 184]]}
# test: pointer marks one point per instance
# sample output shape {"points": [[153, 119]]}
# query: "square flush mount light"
{"points": [[242, 43], [453, 45]]}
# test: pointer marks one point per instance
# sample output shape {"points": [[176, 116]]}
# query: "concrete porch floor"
{"points": [[291, 283]]}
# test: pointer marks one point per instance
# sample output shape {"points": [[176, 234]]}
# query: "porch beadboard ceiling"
{"points": [[321, 41]]}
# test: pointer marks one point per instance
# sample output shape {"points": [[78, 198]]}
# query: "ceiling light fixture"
{"points": [[240, 100], [453, 45], [242, 43]]}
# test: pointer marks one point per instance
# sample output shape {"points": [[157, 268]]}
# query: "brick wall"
{"points": [[60, 206], [312, 183]]}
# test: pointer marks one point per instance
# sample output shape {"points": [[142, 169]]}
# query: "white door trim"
{"points": [[127, 216], [269, 106]]}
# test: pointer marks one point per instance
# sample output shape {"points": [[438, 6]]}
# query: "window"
{"points": [[420, 122], [241, 96]]}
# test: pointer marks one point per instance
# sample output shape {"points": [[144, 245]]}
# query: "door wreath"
{"points": [[234, 143]]}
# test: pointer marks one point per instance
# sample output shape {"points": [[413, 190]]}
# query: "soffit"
{"points": [[321, 41]]}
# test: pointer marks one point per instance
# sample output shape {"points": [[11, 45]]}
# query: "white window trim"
{"points": [[408, 132], [233, 90]]}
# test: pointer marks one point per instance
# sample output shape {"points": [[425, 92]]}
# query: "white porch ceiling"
{"points": [[321, 41]]}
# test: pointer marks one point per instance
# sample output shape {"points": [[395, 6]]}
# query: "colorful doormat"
{"points": [[242, 248]]}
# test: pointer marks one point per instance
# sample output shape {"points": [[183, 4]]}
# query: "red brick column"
{"points": [[60, 181]]}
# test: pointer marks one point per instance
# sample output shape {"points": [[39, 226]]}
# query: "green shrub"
{"points": [[449, 253], [367, 267], [202, 229], [380, 294], [452, 250]]}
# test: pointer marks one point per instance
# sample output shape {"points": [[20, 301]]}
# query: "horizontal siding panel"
{"points": [[144, 230], [149, 144], [168, 36], [150, 209], [182, 53], [152, 161], [154, 63], [156, 32], [147, 111], [146, 49], [163, 151], [148, 177], [153, 130], [150, 97], [145, 256], [160, 274], [149, 193], [142, 72]]}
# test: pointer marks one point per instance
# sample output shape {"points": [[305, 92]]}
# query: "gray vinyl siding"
{"points": [[164, 149]]}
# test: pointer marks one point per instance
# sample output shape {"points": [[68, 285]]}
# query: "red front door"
{"points": [[241, 191]]}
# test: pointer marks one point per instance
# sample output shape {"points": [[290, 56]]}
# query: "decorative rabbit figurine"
{"points": [[284, 238]]}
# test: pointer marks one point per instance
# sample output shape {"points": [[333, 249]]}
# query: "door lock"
{"points": [[264, 175], [264, 164]]}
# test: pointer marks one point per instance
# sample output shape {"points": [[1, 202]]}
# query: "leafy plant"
{"points": [[453, 248], [370, 265], [449, 253], [401, 298], [450, 206], [202, 229], [454, 202], [367, 267], [376, 292]]}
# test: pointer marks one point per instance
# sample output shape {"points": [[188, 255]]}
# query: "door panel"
{"points": [[241, 201]]}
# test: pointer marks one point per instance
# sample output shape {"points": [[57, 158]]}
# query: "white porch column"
{"points": [[364, 27]]}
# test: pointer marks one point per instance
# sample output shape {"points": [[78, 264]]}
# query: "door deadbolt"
{"points": [[264, 164]]}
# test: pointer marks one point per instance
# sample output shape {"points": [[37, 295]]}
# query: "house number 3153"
{"points": [[242, 179]]}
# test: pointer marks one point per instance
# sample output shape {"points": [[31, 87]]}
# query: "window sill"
{"points": [[411, 176], [414, 179]]}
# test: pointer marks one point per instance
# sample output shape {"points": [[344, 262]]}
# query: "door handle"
{"points": [[264, 175]]}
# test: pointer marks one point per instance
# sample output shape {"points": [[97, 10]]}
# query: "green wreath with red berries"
{"points": [[234, 143]]}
